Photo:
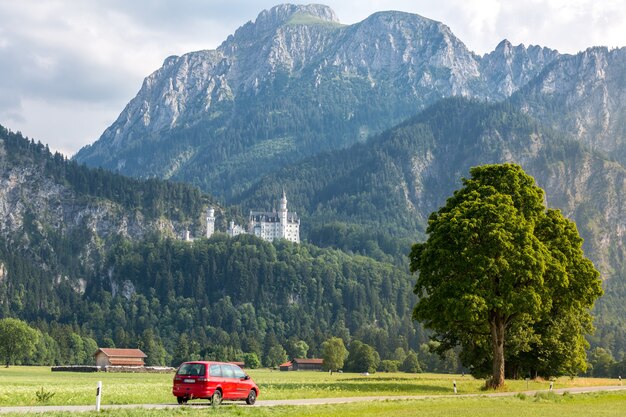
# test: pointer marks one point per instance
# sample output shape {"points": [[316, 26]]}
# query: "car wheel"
{"points": [[251, 397], [216, 398], [181, 400]]}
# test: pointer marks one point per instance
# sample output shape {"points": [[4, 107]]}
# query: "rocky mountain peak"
{"points": [[510, 67], [283, 13], [504, 47], [268, 21]]}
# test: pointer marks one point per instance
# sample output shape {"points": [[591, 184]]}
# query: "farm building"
{"points": [[307, 364], [303, 365], [287, 366], [239, 364], [119, 357]]}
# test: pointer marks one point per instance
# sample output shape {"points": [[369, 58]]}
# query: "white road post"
{"points": [[454, 383], [98, 395], [551, 385]]}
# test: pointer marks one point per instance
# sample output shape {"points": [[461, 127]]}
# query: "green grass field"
{"points": [[587, 405], [18, 386]]}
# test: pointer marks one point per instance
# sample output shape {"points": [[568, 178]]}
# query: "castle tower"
{"points": [[210, 222], [282, 215]]}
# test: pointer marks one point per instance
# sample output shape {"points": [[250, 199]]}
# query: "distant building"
{"points": [[287, 366], [268, 226], [239, 364], [312, 364], [119, 357], [210, 222]]}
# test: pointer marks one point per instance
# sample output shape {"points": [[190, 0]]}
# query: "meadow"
{"points": [[19, 386], [605, 404]]}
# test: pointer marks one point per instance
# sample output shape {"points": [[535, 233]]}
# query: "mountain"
{"points": [[58, 219], [370, 126], [90, 258], [292, 84], [583, 95], [398, 178], [375, 198]]}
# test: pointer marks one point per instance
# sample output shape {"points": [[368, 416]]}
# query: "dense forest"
{"points": [[374, 198], [230, 299], [220, 298]]}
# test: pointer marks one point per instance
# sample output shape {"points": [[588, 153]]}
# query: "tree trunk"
{"points": [[497, 342]]}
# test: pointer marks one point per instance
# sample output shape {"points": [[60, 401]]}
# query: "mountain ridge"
{"points": [[363, 78]]}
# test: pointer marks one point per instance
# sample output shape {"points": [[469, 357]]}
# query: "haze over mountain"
{"points": [[368, 127], [294, 83]]}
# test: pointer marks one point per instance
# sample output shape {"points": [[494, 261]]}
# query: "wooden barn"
{"points": [[307, 364], [287, 366], [119, 357]]}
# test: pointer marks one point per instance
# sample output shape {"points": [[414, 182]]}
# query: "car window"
{"points": [[215, 370], [238, 372], [191, 369], [227, 371]]}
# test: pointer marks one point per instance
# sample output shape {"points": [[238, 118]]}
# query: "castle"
{"points": [[268, 226]]}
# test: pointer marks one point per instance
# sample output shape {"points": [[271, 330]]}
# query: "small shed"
{"points": [[312, 364], [287, 366], [119, 357], [239, 364]]}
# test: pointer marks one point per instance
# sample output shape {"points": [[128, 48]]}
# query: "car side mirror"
{"points": [[247, 377]]}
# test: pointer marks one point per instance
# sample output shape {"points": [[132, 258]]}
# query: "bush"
{"points": [[389, 366], [43, 396], [411, 364]]}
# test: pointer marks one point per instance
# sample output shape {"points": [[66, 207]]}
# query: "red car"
{"points": [[215, 381]]}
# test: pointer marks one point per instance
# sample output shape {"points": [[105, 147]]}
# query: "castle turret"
{"points": [[210, 222], [282, 215]]}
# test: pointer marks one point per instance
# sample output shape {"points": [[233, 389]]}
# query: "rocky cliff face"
{"points": [[583, 95], [296, 83], [38, 211], [508, 67], [300, 60]]}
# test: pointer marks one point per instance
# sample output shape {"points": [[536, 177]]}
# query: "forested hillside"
{"points": [[90, 259], [230, 296], [372, 194]]}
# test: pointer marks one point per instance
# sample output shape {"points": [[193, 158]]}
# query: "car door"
{"points": [[215, 379], [229, 384], [243, 386]]}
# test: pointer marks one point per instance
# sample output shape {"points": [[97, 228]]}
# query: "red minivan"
{"points": [[215, 381]]}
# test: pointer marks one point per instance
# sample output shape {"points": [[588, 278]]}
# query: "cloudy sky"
{"points": [[68, 67]]}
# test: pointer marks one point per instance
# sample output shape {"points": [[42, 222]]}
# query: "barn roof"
{"points": [[313, 361], [125, 353]]}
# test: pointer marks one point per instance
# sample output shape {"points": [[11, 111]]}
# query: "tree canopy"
{"points": [[504, 278], [334, 353], [16, 338]]}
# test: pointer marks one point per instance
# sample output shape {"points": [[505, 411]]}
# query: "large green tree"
{"points": [[334, 353], [502, 277], [17, 339], [362, 358]]}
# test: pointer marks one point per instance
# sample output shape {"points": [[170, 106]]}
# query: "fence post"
{"points": [[98, 395]]}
